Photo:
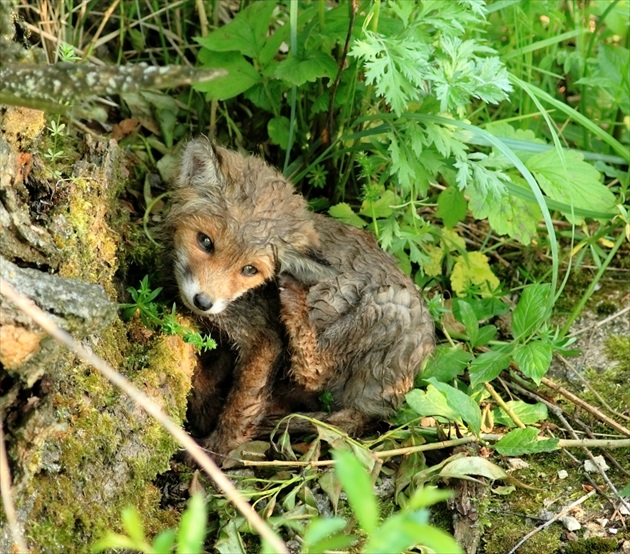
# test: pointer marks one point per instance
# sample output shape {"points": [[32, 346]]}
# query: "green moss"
{"points": [[506, 535], [593, 545]]}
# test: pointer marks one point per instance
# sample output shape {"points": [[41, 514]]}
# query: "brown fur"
{"points": [[325, 310]]}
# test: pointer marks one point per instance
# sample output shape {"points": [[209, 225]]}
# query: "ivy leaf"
{"points": [[241, 75], [344, 213], [534, 359], [572, 181], [488, 365], [531, 311], [527, 413], [307, 67], [246, 33], [473, 269], [452, 207], [524, 441]]}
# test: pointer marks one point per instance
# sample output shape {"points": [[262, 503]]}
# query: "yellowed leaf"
{"points": [[473, 268]]}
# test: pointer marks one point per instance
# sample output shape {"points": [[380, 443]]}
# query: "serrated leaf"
{"points": [[446, 364], [382, 207], [531, 311], [524, 441], [192, 527], [452, 207], [572, 181], [515, 217], [344, 213], [431, 267], [246, 33], [488, 365], [462, 404], [358, 487], [241, 75], [309, 66], [473, 269], [527, 413], [452, 241], [534, 359], [463, 468]]}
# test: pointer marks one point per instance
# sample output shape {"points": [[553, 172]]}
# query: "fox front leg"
{"points": [[310, 365]]}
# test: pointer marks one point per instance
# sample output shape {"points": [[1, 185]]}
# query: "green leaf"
{"points": [[524, 441], [464, 313], [571, 180], [406, 529], [488, 365], [132, 522], [534, 359], [473, 269], [527, 413], [531, 310], [431, 402], [382, 207], [192, 527], [486, 334], [358, 487], [164, 542], [344, 213], [446, 364], [278, 130], [113, 541], [428, 496], [306, 67], [461, 404], [452, 206], [463, 468], [319, 533], [241, 75], [246, 33], [515, 217]]}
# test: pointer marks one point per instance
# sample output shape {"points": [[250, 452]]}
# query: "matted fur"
{"points": [[325, 310]]}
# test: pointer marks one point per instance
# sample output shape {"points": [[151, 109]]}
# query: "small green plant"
{"points": [[187, 539], [405, 529], [157, 317]]}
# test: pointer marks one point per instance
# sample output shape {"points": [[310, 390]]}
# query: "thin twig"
{"points": [[586, 406], [599, 397], [141, 399], [7, 498], [559, 515], [600, 323], [486, 437], [509, 411]]}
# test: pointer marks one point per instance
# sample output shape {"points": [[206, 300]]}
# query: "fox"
{"points": [[300, 303]]}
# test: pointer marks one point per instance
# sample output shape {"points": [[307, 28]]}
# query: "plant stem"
{"points": [[589, 291]]}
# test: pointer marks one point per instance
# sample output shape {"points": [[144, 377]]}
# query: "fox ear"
{"points": [[200, 166], [307, 267]]}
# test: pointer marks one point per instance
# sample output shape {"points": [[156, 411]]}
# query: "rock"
{"points": [[570, 523]]}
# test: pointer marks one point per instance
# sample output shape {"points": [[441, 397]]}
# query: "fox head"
{"points": [[236, 223]]}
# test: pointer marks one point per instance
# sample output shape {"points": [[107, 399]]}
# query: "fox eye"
{"points": [[205, 242], [249, 270]]}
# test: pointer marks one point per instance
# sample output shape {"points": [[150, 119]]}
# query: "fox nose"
{"points": [[202, 302]]}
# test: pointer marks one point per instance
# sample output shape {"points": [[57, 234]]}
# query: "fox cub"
{"points": [[301, 303]]}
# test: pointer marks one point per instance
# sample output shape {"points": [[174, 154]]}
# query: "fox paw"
{"points": [[292, 293]]}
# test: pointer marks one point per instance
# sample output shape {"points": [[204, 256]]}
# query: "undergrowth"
{"points": [[486, 147]]}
